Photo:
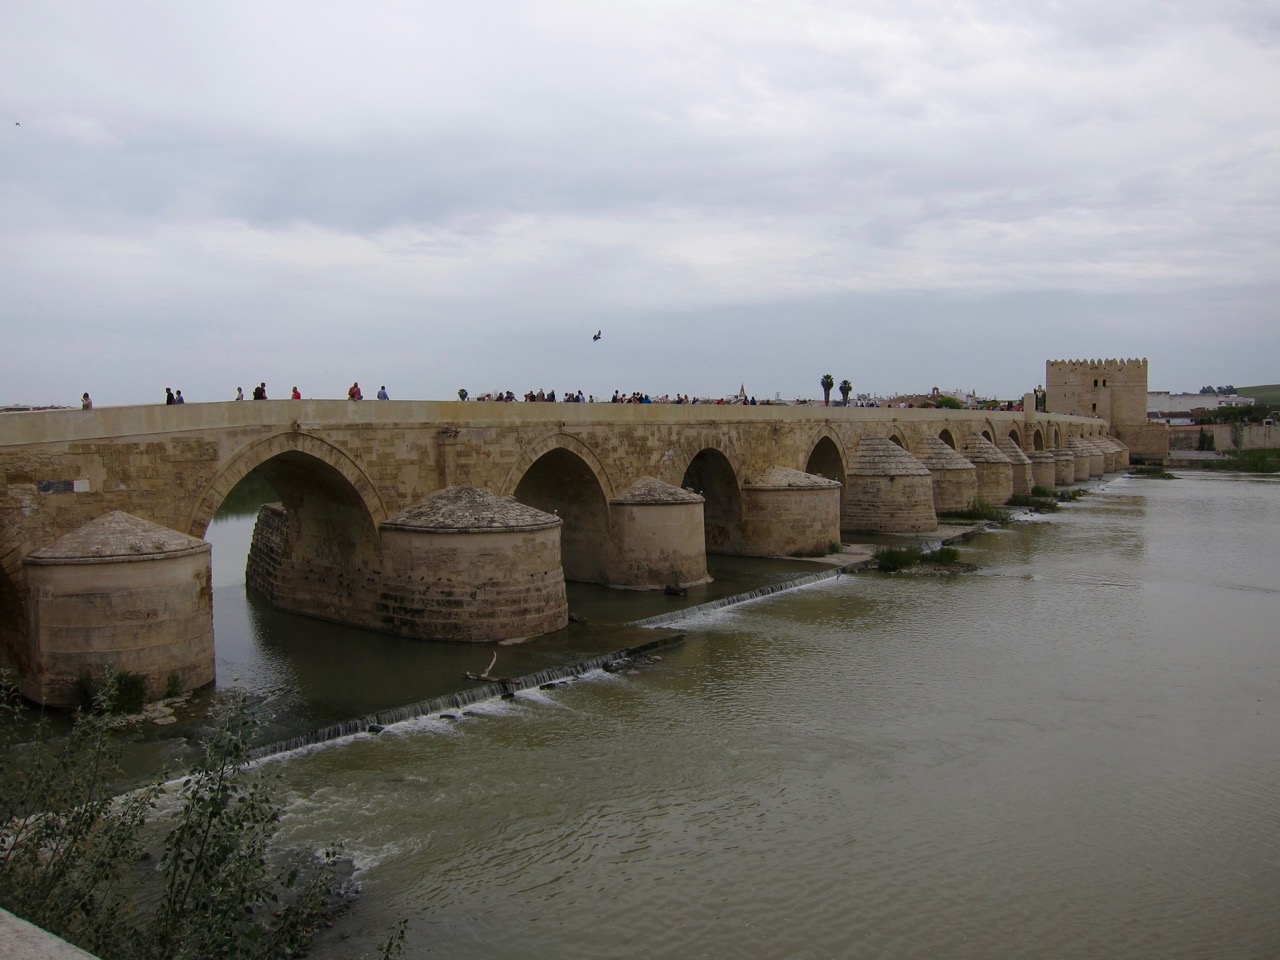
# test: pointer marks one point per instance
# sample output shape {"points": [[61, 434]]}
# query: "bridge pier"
{"points": [[888, 491], [657, 537], [1044, 469], [119, 594], [995, 472], [790, 513]]}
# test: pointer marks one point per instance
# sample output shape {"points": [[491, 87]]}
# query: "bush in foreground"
{"points": [[74, 857]]}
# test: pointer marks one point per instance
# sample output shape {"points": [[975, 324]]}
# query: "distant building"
{"points": [[1178, 407]]}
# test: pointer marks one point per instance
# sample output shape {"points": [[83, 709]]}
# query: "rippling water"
{"points": [[1071, 753]]}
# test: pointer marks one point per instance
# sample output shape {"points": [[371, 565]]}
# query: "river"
{"points": [[1072, 752]]}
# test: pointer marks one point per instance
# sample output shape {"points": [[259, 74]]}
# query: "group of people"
{"points": [[260, 392], [171, 397], [541, 396], [355, 393]]}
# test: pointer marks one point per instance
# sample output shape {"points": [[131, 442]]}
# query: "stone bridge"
{"points": [[373, 528]]}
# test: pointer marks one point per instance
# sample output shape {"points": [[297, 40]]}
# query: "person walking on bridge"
{"points": [[168, 397]]}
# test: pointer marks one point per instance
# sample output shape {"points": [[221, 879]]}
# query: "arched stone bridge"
{"points": [[345, 470]]}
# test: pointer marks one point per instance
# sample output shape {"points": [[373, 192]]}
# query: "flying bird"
{"points": [[596, 337]]}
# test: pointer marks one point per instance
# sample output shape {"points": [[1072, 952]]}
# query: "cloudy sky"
{"points": [[439, 195]]}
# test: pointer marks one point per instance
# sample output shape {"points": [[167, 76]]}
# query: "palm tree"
{"points": [[827, 381], [846, 388]]}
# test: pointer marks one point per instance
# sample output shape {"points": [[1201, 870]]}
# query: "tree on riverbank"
{"points": [[77, 860]]}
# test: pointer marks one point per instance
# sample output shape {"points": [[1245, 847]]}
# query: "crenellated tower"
{"points": [[1114, 391]]}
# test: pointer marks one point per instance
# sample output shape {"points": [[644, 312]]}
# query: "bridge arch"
{"points": [[711, 476], [300, 449], [1016, 437], [321, 557], [945, 436], [561, 482], [827, 457], [558, 441]]}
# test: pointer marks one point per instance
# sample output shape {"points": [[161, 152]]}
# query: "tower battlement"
{"points": [[1114, 390]]}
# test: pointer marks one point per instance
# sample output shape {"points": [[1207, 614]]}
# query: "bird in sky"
{"points": [[596, 337]]}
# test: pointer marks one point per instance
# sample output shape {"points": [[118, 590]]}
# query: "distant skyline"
{"points": [[433, 196]]}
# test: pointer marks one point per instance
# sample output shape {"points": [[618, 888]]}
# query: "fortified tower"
{"points": [[1113, 390]]}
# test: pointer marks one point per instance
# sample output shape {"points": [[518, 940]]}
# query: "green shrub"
{"points": [[892, 559], [1247, 461], [1041, 504], [943, 556], [978, 512], [71, 851]]}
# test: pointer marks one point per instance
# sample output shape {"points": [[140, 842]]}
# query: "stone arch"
{"points": [[897, 438], [1037, 439], [1057, 436], [321, 556], [711, 476], [558, 441], [302, 445], [1016, 437], [827, 457], [987, 429], [562, 483], [946, 437]]}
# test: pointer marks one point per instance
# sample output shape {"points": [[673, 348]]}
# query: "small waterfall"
{"points": [[663, 619], [461, 699], [490, 691]]}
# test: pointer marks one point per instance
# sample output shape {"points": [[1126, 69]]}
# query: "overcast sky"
{"points": [[906, 194]]}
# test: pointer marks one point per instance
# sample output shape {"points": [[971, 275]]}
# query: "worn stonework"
{"points": [[123, 594], [790, 513], [467, 565], [1020, 463], [889, 491], [1080, 454], [659, 539], [955, 479], [1044, 468], [995, 472], [1065, 462]]}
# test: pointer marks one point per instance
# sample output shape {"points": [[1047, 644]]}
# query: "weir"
{"points": [[374, 722]]}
